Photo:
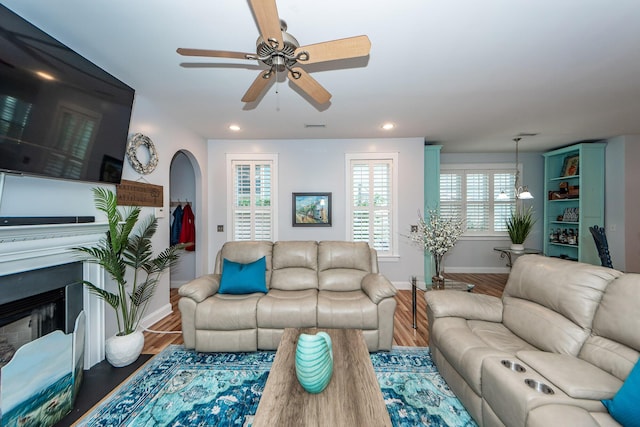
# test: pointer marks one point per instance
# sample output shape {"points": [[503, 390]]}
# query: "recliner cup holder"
{"points": [[516, 367], [538, 386]]}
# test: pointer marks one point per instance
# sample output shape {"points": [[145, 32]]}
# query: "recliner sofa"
{"points": [[327, 284], [564, 336]]}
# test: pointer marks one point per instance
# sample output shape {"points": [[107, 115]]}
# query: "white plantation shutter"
{"points": [[371, 203], [472, 194], [253, 212], [477, 212]]}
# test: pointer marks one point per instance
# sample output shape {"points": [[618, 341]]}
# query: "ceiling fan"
{"points": [[281, 52]]}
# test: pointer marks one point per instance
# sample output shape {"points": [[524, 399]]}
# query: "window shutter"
{"points": [[372, 203], [252, 194]]}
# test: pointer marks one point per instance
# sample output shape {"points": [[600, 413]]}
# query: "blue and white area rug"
{"points": [[181, 387]]}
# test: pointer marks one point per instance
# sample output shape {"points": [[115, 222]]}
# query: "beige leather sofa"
{"points": [[325, 284], [573, 327]]}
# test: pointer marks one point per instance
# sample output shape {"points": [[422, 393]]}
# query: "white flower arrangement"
{"points": [[437, 235]]}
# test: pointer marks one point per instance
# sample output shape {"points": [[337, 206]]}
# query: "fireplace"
{"points": [[37, 302], [30, 248]]}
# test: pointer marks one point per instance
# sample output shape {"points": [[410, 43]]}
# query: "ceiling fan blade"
{"points": [[258, 86], [266, 14], [309, 85], [351, 47], [214, 53]]}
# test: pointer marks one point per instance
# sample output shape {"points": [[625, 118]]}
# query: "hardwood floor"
{"points": [[404, 334]]}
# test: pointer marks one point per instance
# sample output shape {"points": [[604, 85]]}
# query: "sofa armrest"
{"points": [[201, 287], [377, 287], [465, 305]]}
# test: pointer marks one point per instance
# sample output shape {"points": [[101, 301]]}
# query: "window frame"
{"points": [[252, 159], [392, 158], [490, 169]]}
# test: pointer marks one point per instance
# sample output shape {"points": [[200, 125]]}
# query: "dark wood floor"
{"points": [[404, 334]]}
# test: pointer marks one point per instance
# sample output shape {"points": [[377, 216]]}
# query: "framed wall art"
{"points": [[311, 209], [571, 166]]}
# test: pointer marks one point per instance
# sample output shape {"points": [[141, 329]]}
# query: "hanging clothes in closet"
{"points": [[176, 226], [188, 230]]}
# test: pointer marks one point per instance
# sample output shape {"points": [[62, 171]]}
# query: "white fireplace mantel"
{"points": [[29, 247]]}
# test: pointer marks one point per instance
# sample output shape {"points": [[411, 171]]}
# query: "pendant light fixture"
{"points": [[522, 192]]}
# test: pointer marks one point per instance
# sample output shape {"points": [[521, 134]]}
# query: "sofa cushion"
{"points": [[295, 265], [611, 356], [342, 265], [346, 309], [541, 327], [288, 309], [226, 312], [617, 316], [563, 415], [575, 377], [238, 278], [624, 405], [463, 349], [536, 278]]}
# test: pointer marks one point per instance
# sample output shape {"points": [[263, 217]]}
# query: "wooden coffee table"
{"points": [[352, 398]]}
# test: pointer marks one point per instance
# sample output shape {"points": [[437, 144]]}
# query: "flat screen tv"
{"points": [[61, 116]]}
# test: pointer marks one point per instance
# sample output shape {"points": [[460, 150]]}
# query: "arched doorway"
{"points": [[182, 193]]}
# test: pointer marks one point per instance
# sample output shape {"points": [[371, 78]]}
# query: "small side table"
{"points": [[508, 253], [449, 285]]}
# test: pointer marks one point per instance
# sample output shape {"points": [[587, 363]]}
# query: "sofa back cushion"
{"points": [[245, 253], [551, 302], [342, 265], [614, 344], [295, 265]]}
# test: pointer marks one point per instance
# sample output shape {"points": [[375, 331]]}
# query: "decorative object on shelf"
{"points": [[571, 215], [311, 209], [127, 248], [136, 141], [521, 191], [314, 361], [519, 225], [437, 235], [571, 165]]}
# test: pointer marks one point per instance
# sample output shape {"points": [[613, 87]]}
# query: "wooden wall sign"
{"points": [[136, 193]]}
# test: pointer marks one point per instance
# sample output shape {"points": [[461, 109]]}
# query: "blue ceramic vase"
{"points": [[314, 361]]}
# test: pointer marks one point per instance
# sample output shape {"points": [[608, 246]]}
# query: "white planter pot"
{"points": [[517, 247], [124, 350]]}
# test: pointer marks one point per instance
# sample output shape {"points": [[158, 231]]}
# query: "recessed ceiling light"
{"points": [[44, 75], [388, 126], [234, 128]]}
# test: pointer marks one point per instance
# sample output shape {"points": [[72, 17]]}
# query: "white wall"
{"points": [[476, 255], [632, 203], [319, 166]]}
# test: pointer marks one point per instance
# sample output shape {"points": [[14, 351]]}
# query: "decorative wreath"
{"points": [[134, 143]]}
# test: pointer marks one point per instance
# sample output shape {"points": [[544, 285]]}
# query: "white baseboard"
{"points": [[156, 316]]}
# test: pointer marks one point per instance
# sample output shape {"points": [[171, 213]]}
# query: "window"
{"points": [[472, 193], [371, 207], [252, 197]]}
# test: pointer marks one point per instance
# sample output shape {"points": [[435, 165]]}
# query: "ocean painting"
{"points": [[36, 387]]}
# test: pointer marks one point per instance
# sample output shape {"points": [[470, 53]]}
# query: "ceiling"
{"points": [[467, 74]]}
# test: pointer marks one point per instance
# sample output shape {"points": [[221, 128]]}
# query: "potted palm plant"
{"points": [[519, 225], [126, 253]]}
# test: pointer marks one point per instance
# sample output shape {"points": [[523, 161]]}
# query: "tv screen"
{"points": [[61, 116]]}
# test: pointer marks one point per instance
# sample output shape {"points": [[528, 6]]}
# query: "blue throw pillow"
{"points": [[243, 278], [624, 405]]}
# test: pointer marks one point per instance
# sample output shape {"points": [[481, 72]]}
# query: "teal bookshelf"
{"points": [[574, 201]]}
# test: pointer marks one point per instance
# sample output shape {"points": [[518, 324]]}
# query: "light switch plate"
{"points": [[159, 212]]}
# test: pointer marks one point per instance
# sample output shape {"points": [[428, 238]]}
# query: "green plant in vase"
{"points": [[519, 225], [126, 251]]}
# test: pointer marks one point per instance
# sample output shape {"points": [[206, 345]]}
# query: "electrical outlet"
{"points": [[414, 228], [220, 228]]}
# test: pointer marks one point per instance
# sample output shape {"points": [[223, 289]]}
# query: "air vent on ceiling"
{"points": [[314, 126]]}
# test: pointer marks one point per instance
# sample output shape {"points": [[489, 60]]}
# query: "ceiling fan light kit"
{"points": [[281, 52]]}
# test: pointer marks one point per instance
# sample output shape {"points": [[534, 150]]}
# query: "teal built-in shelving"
{"points": [[574, 200]]}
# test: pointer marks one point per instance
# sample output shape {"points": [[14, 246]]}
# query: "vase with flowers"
{"points": [[437, 234]]}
